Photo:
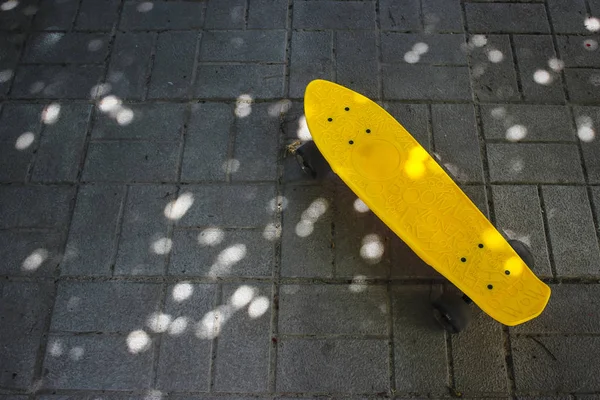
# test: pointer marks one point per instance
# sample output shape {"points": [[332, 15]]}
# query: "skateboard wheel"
{"points": [[523, 251], [311, 160], [452, 312]]}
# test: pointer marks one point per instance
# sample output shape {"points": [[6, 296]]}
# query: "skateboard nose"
{"points": [[376, 159]]}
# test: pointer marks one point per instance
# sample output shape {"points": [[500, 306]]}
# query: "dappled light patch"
{"points": [[124, 116], [95, 45], [178, 326], [272, 232], [51, 113], [372, 248], [76, 353], [517, 165], [6, 75], [592, 24], [243, 105], [302, 132], [211, 324], [479, 70], [159, 322], [585, 128], [99, 90], [316, 209], [73, 303], [227, 258], [278, 203], [36, 87], [359, 284], [56, 348], [414, 55], [242, 296], [526, 239], [231, 166], [415, 165], [162, 246], [279, 108], [211, 237], [34, 260], [145, 6], [109, 104], [360, 206], [9, 5], [498, 112], [495, 56], [556, 65], [516, 132], [138, 341], [182, 291], [177, 208], [153, 394], [590, 44], [24, 141], [258, 307], [479, 40], [542, 77]]}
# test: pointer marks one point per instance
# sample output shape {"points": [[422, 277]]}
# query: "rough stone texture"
{"points": [[249, 46], [578, 51], [94, 15], [441, 48], [424, 82], [327, 14], [56, 81], [267, 14], [311, 58], [230, 81], [225, 14], [55, 14], [30, 253], [356, 67], [582, 84], [568, 16], [130, 64], [587, 120], [414, 118], [505, 17], [400, 16], [35, 206], [84, 48], [162, 15]]}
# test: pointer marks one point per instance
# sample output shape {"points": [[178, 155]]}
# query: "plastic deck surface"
{"points": [[405, 187]]}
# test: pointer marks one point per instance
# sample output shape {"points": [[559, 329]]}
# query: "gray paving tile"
{"points": [[311, 14], [153, 121], [594, 6], [406, 264], [568, 16], [311, 58], [582, 84], [493, 73], [478, 195], [519, 216], [56, 81], [55, 15], [104, 306], [244, 340], [225, 14], [414, 118], [207, 142], [24, 307], [588, 129], [504, 17], [556, 363], [400, 16], [18, 17], [61, 148], [144, 242], [80, 48], [478, 354], [329, 365], [130, 64], [184, 359], [213, 252], [571, 230], [267, 14], [408, 47], [442, 15], [173, 64], [131, 162], [257, 46], [527, 122], [220, 205], [425, 82], [539, 81], [230, 81], [356, 65], [95, 15], [306, 249], [15, 163], [569, 302], [10, 48], [159, 15], [578, 51], [30, 253], [98, 362], [17, 119], [90, 251], [35, 206], [457, 142], [534, 163], [419, 343]]}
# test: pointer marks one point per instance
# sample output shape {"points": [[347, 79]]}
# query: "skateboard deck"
{"points": [[413, 195]]}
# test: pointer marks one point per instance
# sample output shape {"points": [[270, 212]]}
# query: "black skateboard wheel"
{"points": [[452, 312], [523, 251]]}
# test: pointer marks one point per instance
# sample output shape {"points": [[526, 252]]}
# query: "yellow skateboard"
{"points": [[409, 191]]}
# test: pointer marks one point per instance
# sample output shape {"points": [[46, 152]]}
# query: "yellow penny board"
{"points": [[409, 191]]}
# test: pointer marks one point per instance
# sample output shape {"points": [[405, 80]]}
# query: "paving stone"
{"points": [[414, 118], [35, 206], [478, 195], [97, 16], [19, 17], [61, 147], [267, 14], [326, 14], [330, 365], [230, 81], [184, 360], [242, 363], [594, 6], [440, 48], [425, 82], [80, 48], [494, 80], [400, 16], [144, 242], [568, 16], [104, 306], [406, 264], [527, 122], [30, 253], [478, 354], [173, 64], [356, 65], [213, 252], [571, 230], [456, 141], [98, 362], [519, 216], [132, 161], [578, 51], [14, 163], [355, 309], [442, 15], [570, 310], [311, 58], [257, 46], [225, 14], [130, 64], [220, 205], [156, 121], [306, 249], [556, 363], [10, 49], [360, 238], [534, 163], [162, 15], [505, 17], [56, 81], [55, 15], [596, 199], [582, 84], [24, 307], [90, 251], [419, 343], [17, 119], [207, 142]]}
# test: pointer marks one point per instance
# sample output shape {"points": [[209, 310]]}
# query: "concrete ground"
{"points": [[157, 242]]}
